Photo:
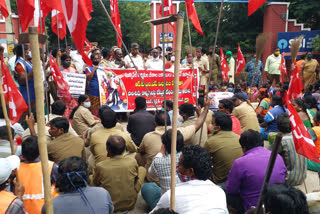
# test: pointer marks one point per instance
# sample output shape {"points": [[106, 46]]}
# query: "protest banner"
{"points": [[118, 88], [215, 97], [76, 82]]}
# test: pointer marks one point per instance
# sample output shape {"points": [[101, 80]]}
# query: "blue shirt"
{"points": [[23, 87], [94, 84], [271, 118]]}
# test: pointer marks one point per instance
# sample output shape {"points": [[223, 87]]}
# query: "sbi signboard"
{"points": [[284, 42]]}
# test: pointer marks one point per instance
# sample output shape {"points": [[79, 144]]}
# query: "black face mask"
{"points": [[210, 53], [95, 63], [66, 64]]}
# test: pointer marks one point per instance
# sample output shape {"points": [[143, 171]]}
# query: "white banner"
{"points": [[76, 82], [215, 97]]}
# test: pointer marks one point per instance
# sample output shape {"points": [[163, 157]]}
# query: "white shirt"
{"points": [[77, 61], [196, 196], [18, 129], [137, 61], [154, 64]]}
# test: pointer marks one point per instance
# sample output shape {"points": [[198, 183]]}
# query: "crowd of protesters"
{"points": [[98, 165]]}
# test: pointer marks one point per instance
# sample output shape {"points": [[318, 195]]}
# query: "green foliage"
{"points": [[307, 12], [316, 44]]}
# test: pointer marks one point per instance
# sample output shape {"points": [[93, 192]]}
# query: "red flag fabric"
{"points": [[167, 10], [193, 16], [12, 95], [296, 84], [77, 15], [25, 12], [3, 8], [302, 140], [58, 21], [115, 16], [241, 63], [88, 45], [254, 5], [283, 69], [62, 86], [224, 66]]}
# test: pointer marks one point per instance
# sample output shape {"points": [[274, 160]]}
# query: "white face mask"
{"points": [[172, 59], [87, 104]]}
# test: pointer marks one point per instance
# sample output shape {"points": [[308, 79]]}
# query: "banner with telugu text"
{"points": [[118, 88]]}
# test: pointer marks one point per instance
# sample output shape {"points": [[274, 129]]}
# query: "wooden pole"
{"points": [[175, 108], [58, 31], [38, 85], [5, 114], [272, 160], [164, 73]]}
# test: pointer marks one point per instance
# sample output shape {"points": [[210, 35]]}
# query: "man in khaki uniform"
{"points": [[64, 145], [83, 119], [214, 65], [120, 175], [202, 64], [186, 110], [245, 113], [223, 147], [100, 137]]}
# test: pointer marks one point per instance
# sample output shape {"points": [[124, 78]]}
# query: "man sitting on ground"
{"points": [[247, 174], [223, 147], [100, 137], [198, 195], [64, 145], [120, 175]]}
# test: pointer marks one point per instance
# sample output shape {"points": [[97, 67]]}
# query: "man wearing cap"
{"points": [[10, 203], [245, 113]]}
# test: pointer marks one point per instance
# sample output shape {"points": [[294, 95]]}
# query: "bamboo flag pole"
{"points": [[38, 85], [58, 30], [5, 114], [179, 31], [126, 49]]}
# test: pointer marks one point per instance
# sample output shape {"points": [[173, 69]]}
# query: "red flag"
{"points": [[193, 16], [240, 61], [254, 5], [167, 10], [58, 21], [77, 15], [3, 8], [12, 95], [25, 12], [62, 86], [224, 67], [116, 18], [296, 84], [88, 45], [302, 140], [283, 69]]}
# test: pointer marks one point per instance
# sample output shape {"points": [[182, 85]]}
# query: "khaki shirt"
{"points": [[53, 116], [104, 63], [247, 117], [224, 148], [99, 139], [82, 120], [97, 127], [214, 62], [27, 133], [201, 63], [122, 177], [195, 138], [65, 146]]}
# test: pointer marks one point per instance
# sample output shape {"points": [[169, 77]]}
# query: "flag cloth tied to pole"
{"points": [[3, 8], [59, 22], [88, 45], [296, 84], [77, 15], [224, 66], [167, 10], [241, 63], [193, 16], [115, 17], [12, 95], [254, 5], [62, 85], [283, 69]]}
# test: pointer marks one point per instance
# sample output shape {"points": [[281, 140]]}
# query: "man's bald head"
{"points": [[115, 145]]}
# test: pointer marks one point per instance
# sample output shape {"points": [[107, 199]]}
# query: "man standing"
{"points": [[106, 56], [214, 65], [254, 71], [202, 64], [141, 122], [272, 66], [223, 147], [136, 58], [310, 70], [155, 63], [118, 61], [120, 175], [232, 65]]}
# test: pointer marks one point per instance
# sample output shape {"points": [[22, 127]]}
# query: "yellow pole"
{"points": [[38, 85]]}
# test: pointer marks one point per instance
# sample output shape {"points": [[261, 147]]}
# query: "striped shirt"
{"points": [[16, 207]]}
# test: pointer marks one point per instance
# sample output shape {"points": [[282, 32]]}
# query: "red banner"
{"points": [[119, 88]]}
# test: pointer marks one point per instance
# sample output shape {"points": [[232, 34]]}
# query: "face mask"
{"points": [[172, 59], [210, 53], [272, 105], [183, 178], [277, 53], [309, 57], [162, 109], [230, 89], [95, 62], [87, 104], [66, 64], [198, 54], [189, 60], [253, 60]]}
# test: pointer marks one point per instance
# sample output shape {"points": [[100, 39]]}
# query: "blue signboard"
{"points": [[284, 41]]}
